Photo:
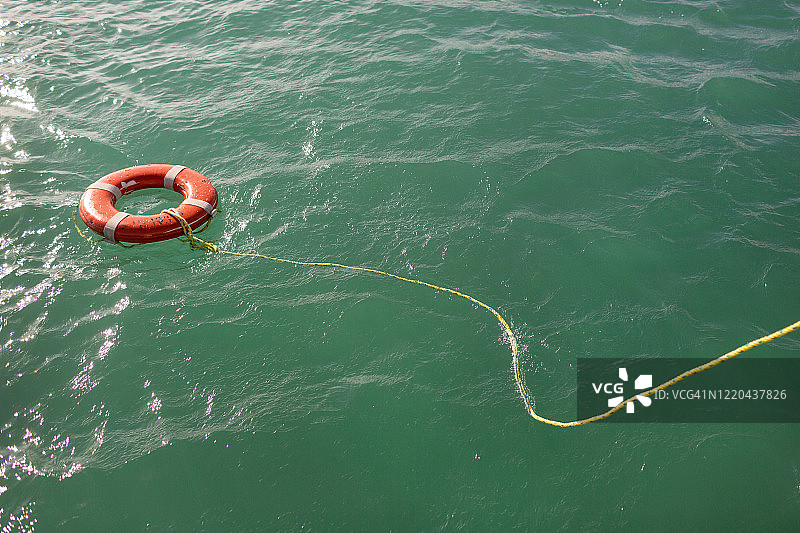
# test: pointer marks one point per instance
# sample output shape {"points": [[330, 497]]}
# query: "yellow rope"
{"points": [[194, 242], [199, 244]]}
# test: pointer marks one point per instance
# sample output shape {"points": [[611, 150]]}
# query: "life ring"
{"points": [[98, 212]]}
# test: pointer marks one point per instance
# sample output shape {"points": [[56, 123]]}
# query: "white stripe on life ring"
{"points": [[113, 189], [169, 179], [111, 226], [205, 206]]}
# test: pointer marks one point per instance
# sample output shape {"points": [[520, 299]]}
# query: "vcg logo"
{"points": [[643, 382]]}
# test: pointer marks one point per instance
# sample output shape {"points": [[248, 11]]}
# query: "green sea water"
{"points": [[617, 178]]}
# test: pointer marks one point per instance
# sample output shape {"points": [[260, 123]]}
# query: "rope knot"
{"points": [[194, 242]]}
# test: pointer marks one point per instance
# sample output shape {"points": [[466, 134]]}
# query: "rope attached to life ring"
{"points": [[196, 243]]}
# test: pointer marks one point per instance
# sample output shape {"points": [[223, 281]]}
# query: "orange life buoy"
{"points": [[98, 212]]}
